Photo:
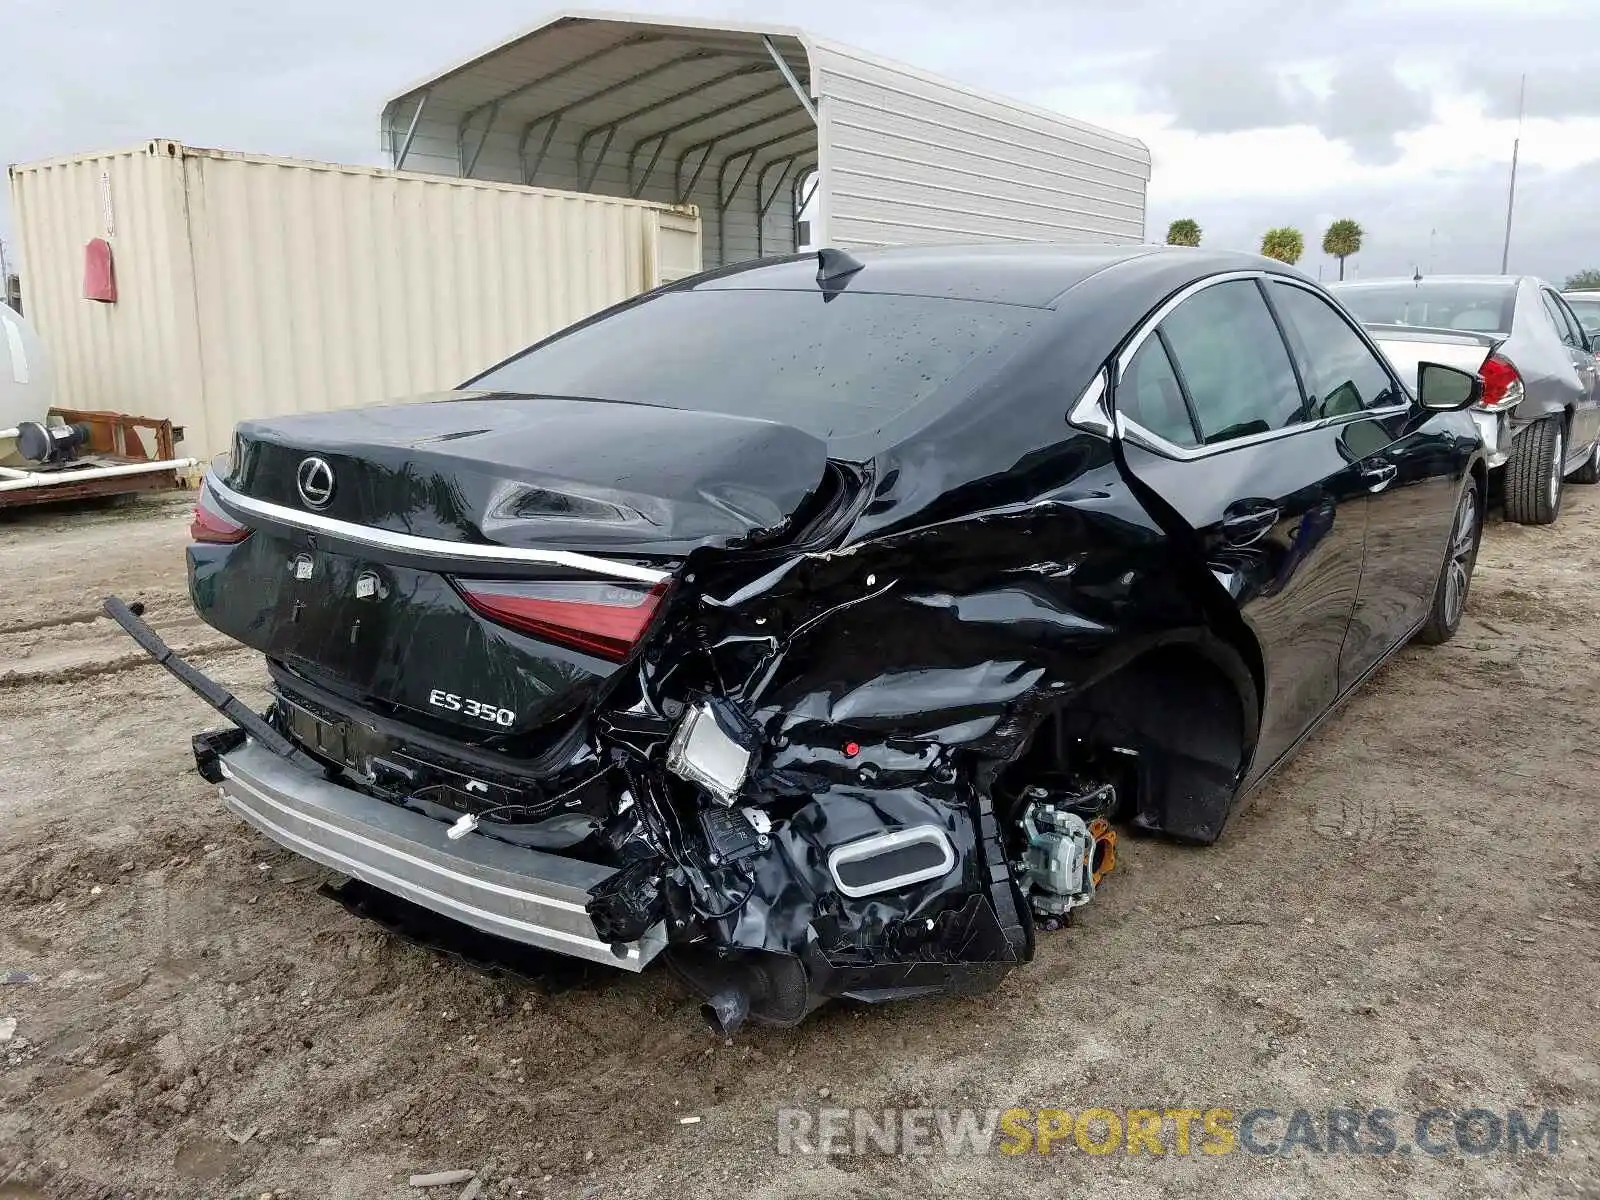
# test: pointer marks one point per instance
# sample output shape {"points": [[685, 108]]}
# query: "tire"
{"points": [[1455, 576], [1590, 471], [1534, 475]]}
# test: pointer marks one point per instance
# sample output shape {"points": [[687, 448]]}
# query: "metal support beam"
{"points": [[764, 203], [794, 219], [529, 174], [661, 136], [802, 197], [755, 151], [674, 98], [588, 180], [723, 201], [788, 74], [666, 102], [577, 64], [726, 195], [710, 144], [411, 131], [555, 114], [468, 165]]}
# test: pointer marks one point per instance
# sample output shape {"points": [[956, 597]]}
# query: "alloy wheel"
{"points": [[1463, 542], [1557, 466]]}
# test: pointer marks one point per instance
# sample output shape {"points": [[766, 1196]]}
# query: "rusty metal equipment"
{"points": [[123, 454]]}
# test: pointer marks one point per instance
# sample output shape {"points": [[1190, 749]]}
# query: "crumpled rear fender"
{"points": [[893, 680]]}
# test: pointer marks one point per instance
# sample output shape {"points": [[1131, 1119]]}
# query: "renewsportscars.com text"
{"points": [[1436, 1132]]}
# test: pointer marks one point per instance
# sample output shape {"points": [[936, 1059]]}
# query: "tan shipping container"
{"points": [[250, 286]]}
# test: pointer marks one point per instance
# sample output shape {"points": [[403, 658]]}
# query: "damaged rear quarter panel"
{"points": [[987, 583]]}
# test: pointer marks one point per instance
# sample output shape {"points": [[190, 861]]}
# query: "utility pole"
{"points": [[1511, 196]]}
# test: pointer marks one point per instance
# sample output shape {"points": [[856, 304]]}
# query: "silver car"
{"points": [[1540, 413]]}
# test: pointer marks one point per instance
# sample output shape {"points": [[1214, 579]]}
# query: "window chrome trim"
{"points": [[1140, 436], [1090, 411], [425, 547]]}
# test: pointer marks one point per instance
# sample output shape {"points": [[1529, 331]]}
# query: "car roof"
{"points": [[1035, 274]]}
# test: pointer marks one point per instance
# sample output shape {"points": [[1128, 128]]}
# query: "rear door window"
{"points": [[1233, 363], [1150, 395], [1566, 328], [1342, 375]]}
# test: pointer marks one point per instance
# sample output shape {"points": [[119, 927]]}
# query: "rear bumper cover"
{"points": [[528, 896]]}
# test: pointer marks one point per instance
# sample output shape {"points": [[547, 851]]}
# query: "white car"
{"points": [[26, 381]]}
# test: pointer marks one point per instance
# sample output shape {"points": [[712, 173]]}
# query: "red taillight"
{"points": [[606, 619], [1502, 386], [210, 525]]}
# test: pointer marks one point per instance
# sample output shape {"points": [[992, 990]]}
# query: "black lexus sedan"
{"points": [[816, 624]]}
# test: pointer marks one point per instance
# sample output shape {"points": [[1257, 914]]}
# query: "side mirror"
{"points": [[1447, 389]]}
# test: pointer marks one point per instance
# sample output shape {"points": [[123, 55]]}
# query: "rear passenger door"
{"points": [[1586, 415], [1211, 417]]}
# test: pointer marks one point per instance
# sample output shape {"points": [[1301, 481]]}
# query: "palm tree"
{"points": [[1284, 244], [1342, 240], [1183, 232]]}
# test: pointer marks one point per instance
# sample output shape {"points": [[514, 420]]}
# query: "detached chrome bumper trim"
{"points": [[423, 547], [528, 896]]}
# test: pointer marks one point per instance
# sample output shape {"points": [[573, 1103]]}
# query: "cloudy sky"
{"points": [[1399, 113]]}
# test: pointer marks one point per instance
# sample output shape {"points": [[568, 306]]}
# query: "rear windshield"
{"points": [[1479, 307], [1588, 313], [836, 366]]}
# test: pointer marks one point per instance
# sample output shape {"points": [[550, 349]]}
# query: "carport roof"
{"points": [[601, 71]]}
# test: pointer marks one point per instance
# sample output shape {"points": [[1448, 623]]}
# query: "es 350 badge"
{"points": [[472, 708]]}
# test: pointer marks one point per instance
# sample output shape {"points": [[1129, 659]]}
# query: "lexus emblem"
{"points": [[314, 480]]}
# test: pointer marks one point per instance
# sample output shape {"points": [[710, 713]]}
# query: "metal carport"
{"points": [[735, 117]]}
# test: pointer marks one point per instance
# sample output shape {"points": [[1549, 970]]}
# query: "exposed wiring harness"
{"points": [[470, 821]]}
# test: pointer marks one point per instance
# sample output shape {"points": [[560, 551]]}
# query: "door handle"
{"points": [[1243, 526], [1379, 476]]}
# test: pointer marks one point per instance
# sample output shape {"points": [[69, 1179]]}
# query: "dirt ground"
{"points": [[1407, 917]]}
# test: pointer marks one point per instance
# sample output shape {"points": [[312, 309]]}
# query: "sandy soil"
{"points": [[1407, 917]]}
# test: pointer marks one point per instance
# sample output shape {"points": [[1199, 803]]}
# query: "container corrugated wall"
{"points": [[251, 286], [141, 354]]}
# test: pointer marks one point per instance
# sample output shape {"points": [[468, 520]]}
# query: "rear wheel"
{"points": [[1455, 578], [1534, 474], [1590, 471]]}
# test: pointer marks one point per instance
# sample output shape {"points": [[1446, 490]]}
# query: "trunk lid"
{"points": [[1409, 346], [537, 471], [479, 566]]}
